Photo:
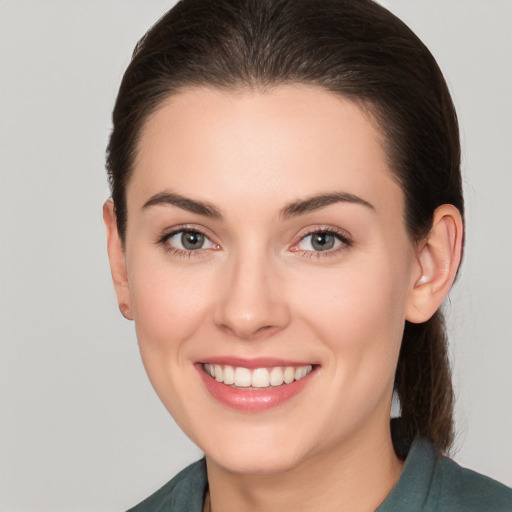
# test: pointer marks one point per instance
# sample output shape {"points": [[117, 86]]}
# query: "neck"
{"points": [[355, 476]]}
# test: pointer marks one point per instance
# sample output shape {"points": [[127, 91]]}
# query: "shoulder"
{"points": [[431, 482], [464, 489], [184, 493]]}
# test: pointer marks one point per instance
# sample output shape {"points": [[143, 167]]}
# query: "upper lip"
{"points": [[252, 363]]}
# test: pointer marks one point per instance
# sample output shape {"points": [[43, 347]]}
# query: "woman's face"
{"points": [[265, 239]]}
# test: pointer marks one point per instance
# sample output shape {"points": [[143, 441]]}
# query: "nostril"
{"points": [[248, 332]]}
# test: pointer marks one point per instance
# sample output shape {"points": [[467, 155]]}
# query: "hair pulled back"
{"points": [[354, 48]]}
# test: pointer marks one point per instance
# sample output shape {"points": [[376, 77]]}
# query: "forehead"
{"points": [[284, 143]]}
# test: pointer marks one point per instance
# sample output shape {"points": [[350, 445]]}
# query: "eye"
{"points": [[187, 240], [322, 240]]}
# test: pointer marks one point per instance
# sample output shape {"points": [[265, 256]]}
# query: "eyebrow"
{"points": [[293, 209], [317, 202], [185, 203]]}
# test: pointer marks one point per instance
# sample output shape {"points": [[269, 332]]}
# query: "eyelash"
{"points": [[341, 236], [186, 253]]}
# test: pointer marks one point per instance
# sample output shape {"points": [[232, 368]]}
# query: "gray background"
{"points": [[81, 429]]}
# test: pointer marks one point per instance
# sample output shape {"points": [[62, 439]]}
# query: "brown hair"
{"points": [[354, 48]]}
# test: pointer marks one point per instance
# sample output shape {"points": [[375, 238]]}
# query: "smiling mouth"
{"points": [[257, 378]]}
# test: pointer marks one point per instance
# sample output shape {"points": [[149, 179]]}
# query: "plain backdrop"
{"points": [[81, 428]]}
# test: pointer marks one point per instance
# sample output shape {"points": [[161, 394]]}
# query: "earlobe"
{"points": [[438, 257], [117, 259]]}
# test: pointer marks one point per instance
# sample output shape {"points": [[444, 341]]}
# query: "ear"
{"points": [[438, 257], [117, 259]]}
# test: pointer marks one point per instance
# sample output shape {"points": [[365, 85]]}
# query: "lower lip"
{"points": [[253, 400]]}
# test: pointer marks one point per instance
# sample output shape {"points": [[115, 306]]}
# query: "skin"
{"points": [[259, 288]]}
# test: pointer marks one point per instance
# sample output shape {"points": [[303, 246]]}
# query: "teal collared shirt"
{"points": [[429, 482]]}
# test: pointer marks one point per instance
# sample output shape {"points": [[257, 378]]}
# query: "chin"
{"points": [[251, 463], [257, 452]]}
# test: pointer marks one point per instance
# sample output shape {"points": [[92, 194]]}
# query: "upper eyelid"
{"points": [[185, 227], [341, 233]]}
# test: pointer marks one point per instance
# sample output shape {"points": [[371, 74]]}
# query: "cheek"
{"points": [[358, 312], [168, 302], [355, 300]]}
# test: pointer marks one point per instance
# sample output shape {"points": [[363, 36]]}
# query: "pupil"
{"points": [[322, 241], [192, 240]]}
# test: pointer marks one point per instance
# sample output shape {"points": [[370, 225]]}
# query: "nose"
{"points": [[251, 303]]}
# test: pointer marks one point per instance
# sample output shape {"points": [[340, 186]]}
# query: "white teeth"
{"points": [[257, 378], [242, 377], [301, 372], [219, 373], [276, 376], [229, 375], [289, 374], [260, 378]]}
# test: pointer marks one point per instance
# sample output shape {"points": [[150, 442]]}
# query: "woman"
{"points": [[286, 221]]}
